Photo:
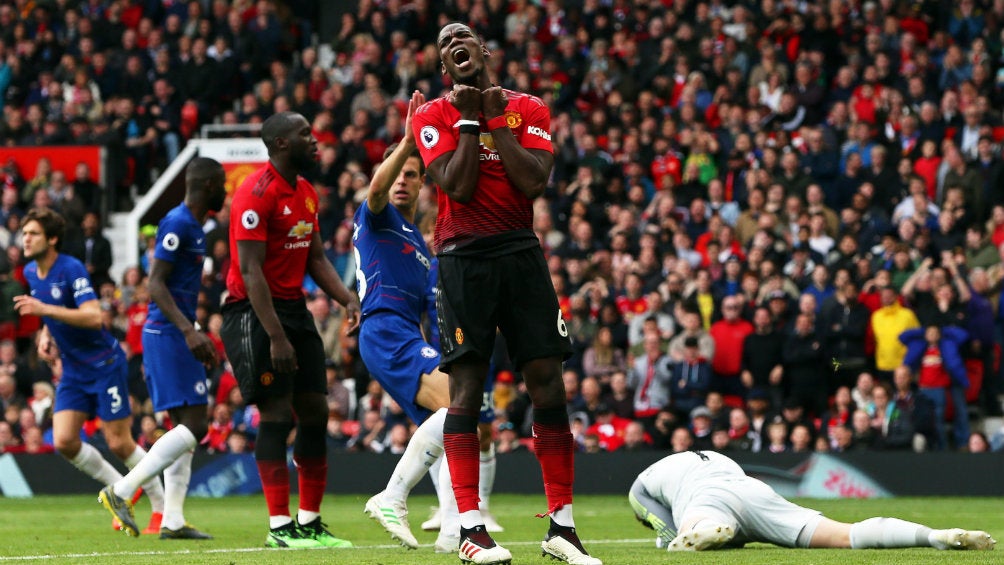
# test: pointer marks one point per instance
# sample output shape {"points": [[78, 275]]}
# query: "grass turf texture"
{"points": [[76, 529]]}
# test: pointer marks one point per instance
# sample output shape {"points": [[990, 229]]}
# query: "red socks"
{"points": [[275, 484], [463, 455], [554, 447], [312, 474]]}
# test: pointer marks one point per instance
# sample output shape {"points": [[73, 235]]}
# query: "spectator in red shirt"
{"points": [[136, 316], [633, 301], [219, 429], [609, 428], [729, 334]]}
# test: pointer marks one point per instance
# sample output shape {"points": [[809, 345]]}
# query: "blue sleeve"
{"points": [[915, 346], [83, 291], [170, 238], [365, 215], [952, 339]]}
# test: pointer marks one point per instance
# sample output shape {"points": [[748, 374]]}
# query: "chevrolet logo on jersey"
{"points": [[301, 229]]}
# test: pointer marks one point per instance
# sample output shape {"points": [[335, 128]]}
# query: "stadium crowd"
{"points": [[773, 226]]}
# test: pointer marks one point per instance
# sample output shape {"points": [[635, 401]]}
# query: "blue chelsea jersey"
{"points": [[181, 242], [67, 284], [392, 263]]}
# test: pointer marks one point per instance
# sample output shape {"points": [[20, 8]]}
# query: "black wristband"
{"points": [[470, 128]]}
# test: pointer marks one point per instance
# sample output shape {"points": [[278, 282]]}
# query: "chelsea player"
{"points": [[94, 365], [393, 265], [176, 353]]}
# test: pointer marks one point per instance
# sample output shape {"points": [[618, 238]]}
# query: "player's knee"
{"points": [[466, 392], [67, 445], [485, 437], [121, 445], [193, 418], [198, 428], [544, 382], [276, 410]]}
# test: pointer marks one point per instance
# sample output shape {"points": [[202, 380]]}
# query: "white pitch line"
{"points": [[257, 549]]}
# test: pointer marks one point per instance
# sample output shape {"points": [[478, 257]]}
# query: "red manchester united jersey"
{"points": [[497, 206], [265, 208]]}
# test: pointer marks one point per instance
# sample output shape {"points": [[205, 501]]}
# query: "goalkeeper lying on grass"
{"points": [[698, 500]]}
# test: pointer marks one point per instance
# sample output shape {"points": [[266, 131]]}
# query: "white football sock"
{"points": [[450, 516], [563, 516], [424, 449], [278, 521], [434, 473], [167, 449], [90, 461], [306, 516], [471, 519], [152, 486], [176, 478], [486, 481], [878, 533]]}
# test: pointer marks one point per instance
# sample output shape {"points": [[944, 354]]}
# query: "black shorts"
{"points": [[249, 350], [513, 293]]}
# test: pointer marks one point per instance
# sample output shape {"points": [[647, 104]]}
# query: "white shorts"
{"points": [[753, 509]]}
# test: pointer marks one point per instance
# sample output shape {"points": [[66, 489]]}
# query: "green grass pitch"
{"points": [[76, 529]]}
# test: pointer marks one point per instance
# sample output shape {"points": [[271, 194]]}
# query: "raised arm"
{"points": [[911, 282], [387, 172]]}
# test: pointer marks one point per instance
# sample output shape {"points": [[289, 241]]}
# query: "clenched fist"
{"points": [[467, 100]]}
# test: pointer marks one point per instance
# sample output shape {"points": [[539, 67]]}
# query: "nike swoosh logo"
{"points": [[198, 241], [405, 228]]}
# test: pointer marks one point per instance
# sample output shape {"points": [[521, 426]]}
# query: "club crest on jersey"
{"points": [[459, 336], [56, 293], [513, 119], [428, 352], [249, 219], [430, 136], [301, 230], [267, 378], [311, 205]]}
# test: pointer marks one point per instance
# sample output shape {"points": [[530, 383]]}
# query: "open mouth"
{"points": [[461, 57]]}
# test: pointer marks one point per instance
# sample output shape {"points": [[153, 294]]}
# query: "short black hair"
{"points": [[201, 169], [53, 224], [276, 126]]}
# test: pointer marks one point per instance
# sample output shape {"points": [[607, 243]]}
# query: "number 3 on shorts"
{"points": [[562, 328], [116, 398]]}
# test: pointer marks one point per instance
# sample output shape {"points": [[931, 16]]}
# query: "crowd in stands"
{"points": [[772, 226]]}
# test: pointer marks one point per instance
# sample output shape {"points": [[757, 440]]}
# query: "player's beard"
{"points": [[472, 79], [304, 162], [216, 204], [37, 255]]}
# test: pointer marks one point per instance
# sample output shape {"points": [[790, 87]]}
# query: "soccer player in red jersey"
{"points": [[269, 335], [490, 152]]}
